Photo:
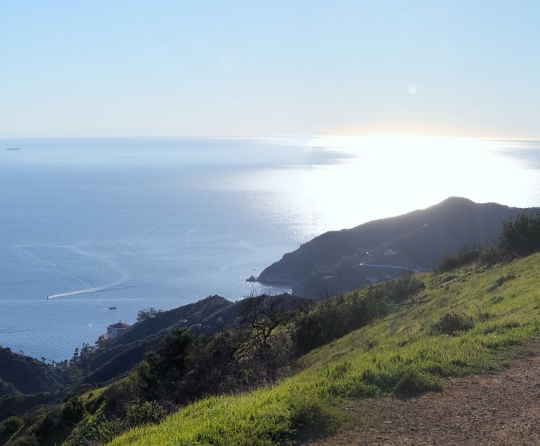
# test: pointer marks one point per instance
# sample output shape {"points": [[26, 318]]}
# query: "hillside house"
{"points": [[114, 330]]}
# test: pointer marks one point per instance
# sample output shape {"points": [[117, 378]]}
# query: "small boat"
{"points": [[111, 308], [13, 148]]}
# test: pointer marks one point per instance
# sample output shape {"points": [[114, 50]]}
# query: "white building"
{"points": [[114, 330]]}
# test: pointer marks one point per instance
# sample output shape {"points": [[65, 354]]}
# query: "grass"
{"points": [[401, 353]]}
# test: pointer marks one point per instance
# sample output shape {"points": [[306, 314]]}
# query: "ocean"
{"points": [[133, 223]]}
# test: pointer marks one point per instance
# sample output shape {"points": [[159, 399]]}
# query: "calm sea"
{"points": [[91, 223]]}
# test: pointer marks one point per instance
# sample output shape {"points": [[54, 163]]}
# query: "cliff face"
{"points": [[421, 237]]}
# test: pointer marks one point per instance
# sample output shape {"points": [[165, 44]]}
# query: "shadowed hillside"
{"points": [[417, 240], [22, 374]]}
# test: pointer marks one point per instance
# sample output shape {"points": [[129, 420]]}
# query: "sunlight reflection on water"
{"points": [[389, 176], [161, 222]]}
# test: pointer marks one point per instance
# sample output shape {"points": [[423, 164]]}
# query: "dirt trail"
{"points": [[489, 409]]}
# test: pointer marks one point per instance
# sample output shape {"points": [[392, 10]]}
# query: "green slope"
{"points": [[412, 349]]}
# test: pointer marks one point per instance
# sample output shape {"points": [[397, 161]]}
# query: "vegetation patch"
{"points": [[415, 381], [314, 416], [500, 280], [448, 278], [25, 440], [452, 323], [520, 237], [464, 256], [11, 425], [409, 356]]}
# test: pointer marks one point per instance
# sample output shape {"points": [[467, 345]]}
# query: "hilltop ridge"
{"points": [[416, 240], [470, 320]]}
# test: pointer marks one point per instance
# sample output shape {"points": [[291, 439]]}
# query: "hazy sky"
{"points": [[249, 68]]}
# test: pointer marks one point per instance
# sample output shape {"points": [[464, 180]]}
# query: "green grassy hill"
{"points": [[468, 320]]}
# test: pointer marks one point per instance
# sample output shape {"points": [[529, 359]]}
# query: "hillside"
{"points": [[328, 264], [21, 374], [468, 321], [116, 357], [497, 408], [281, 369], [26, 382]]}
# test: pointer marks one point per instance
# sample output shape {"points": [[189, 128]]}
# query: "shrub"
{"points": [[27, 440], [521, 237], [117, 398], [464, 256], [11, 425], [483, 316], [414, 380], [144, 412], [183, 368], [402, 288], [500, 280], [333, 318], [450, 323], [492, 255], [448, 278], [162, 368], [50, 421], [147, 313], [72, 410], [313, 415]]}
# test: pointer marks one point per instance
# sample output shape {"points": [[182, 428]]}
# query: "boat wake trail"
{"points": [[62, 257], [91, 290], [77, 292]]}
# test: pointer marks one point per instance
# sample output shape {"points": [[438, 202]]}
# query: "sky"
{"points": [[259, 68]]}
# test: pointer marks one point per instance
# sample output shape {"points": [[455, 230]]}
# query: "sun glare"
{"points": [[390, 175]]}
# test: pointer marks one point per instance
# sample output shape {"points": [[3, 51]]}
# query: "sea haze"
{"points": [[87, 224]]}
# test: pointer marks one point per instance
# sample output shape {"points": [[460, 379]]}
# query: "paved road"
{"points": [[390, 266]]}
